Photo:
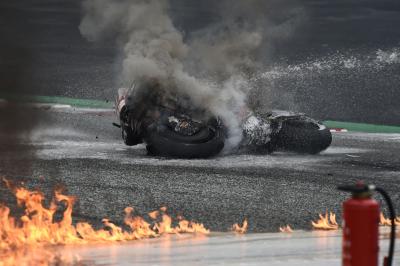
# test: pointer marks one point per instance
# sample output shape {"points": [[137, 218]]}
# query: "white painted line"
{"points": [[50, 105], [80, 110], [69, 108], [353, 156], [40, 105], [338, 130]]}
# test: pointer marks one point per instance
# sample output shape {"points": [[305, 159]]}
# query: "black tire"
{"points": [[163, 141], [129, 137], [303, 137]]}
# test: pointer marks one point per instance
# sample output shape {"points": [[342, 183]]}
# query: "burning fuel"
{"points": [[38, 225], [383, 221], [286, 229], [326, 222], [240, 229]]}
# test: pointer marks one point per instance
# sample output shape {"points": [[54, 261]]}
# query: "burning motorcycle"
{"points": [[168, 123], [171, 126]]}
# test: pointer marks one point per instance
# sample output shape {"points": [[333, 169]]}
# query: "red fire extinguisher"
{"points": [[360, 246]]}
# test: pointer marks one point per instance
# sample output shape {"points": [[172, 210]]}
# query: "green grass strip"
{"points": [[87, 103], [74, 102], [361, 127]]}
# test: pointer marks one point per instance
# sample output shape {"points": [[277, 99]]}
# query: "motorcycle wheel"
{"points": [[303, 137], [129, 137], [163, 141]]}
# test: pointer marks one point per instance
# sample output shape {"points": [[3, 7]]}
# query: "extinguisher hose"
{"points": [[385, 195]]}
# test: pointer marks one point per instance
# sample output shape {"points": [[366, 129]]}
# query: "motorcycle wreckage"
{"points": [[171, 127]]}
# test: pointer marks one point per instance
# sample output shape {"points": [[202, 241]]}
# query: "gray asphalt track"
{"points": [[80, 149]]}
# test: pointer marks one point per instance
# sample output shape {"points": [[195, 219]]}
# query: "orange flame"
{"points": [[240, 229], [286, 229], [326, 222], [38, 225], [387, 222], [154, 214]]}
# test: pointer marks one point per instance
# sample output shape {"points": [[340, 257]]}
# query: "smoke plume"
{"points": [[213, 66]]}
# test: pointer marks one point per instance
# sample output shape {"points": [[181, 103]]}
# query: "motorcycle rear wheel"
{"points": [[303, 137], [164, 141]]}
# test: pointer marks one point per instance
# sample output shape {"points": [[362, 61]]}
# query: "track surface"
{"points": [[81, 150], [276, 249]]}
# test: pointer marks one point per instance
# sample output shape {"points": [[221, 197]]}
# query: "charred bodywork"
{"points": [[174, 128], [282, 130], [167, 126]]}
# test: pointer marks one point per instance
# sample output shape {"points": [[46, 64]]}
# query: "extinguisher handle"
{"points": [[388, 261]]}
